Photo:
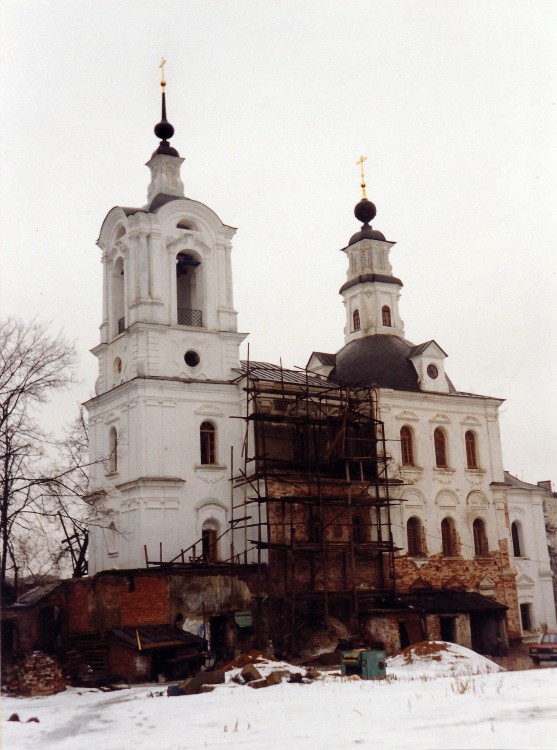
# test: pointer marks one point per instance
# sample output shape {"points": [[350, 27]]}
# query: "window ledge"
{"points": [[443, 470], [411, 468], [111, 474], [210, 467]]}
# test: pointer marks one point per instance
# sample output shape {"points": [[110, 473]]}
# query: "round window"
{"points": [[432, 371], [191, 358]]}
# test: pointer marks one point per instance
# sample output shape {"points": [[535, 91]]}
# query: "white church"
{"points": [[166, 438]]}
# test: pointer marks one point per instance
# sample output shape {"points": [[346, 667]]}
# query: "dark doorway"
{"points": [[48, 629], [403, 635], [9, 639], [448, 630], [217, 626]]}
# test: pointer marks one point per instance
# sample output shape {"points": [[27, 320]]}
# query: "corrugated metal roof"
{"points": [[438, 602], [274, 373], [39, 592], [516, 482], [157, 636]]}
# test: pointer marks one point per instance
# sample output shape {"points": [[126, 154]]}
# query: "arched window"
{"points": [[516, 534], [440, 448], [356, 320], [407, 446], [481, 548], [358, 530], [113, 450], [118, 298], [471, 452], [315, 530], [189, 291], [448, 537], [386, 316], [207, 435], [209, 541], [414, 537]]}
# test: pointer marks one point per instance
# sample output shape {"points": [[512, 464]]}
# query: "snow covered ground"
{"points": [[446, 698]]}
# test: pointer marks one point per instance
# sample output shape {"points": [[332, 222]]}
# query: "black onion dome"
{"points": [[164, 130], [381, 360], [365, 211]]}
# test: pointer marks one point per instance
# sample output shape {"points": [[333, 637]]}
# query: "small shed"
{"points": [[144, 652]]}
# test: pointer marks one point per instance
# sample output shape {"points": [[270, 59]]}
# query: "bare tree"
{"points": [[33, 365]]}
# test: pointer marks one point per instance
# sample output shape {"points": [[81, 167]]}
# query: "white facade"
{"points": [[168, 369], [469, 487], [529, 547], [168, 361]]}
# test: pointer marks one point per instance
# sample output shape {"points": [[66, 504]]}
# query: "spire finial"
{"points": [[361, 161], [164, 129]]}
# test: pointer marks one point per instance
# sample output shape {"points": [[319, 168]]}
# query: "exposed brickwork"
{"points": [[289, 524], [80, 606], [128, 663], [144, 601], [34, 674], [441, 572]]}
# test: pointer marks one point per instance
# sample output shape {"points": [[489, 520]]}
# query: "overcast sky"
{"points": [[453, 102]]}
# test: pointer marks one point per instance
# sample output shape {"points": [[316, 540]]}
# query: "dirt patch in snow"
{"points": [[250, 657], [426, 649]]}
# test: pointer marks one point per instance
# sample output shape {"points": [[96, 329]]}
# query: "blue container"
{"points": [[366, 663]]}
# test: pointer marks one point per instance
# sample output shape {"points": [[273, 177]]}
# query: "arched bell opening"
{"points": [[118, 298], [189, 290]]}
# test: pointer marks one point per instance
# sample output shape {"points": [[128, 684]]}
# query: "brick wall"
{"points": [[144, 600]]}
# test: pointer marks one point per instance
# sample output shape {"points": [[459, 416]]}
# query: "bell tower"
{"points": [[168, 362], [371, 292]]}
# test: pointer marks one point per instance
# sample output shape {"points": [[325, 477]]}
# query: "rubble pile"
{"points": [[34, 674]]}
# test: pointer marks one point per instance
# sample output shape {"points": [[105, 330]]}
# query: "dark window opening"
{"points": [[481, 548], [440, 448], [526, 616], [207, 435], [386, 316], [414, 537], [448, 537], [517, 546], [113, 459], [471, 453], [191, 358], [356, 320], [209, 545], [407, 446]]}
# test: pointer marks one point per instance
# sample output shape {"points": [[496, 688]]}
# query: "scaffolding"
{"points": [[309, 503], [315, 504]]}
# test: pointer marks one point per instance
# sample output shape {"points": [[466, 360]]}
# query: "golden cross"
{"points": [[361, 161], [161, 66]]}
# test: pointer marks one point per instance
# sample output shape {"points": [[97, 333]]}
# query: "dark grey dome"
{"points": [[380, 360], [366, 233]]}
